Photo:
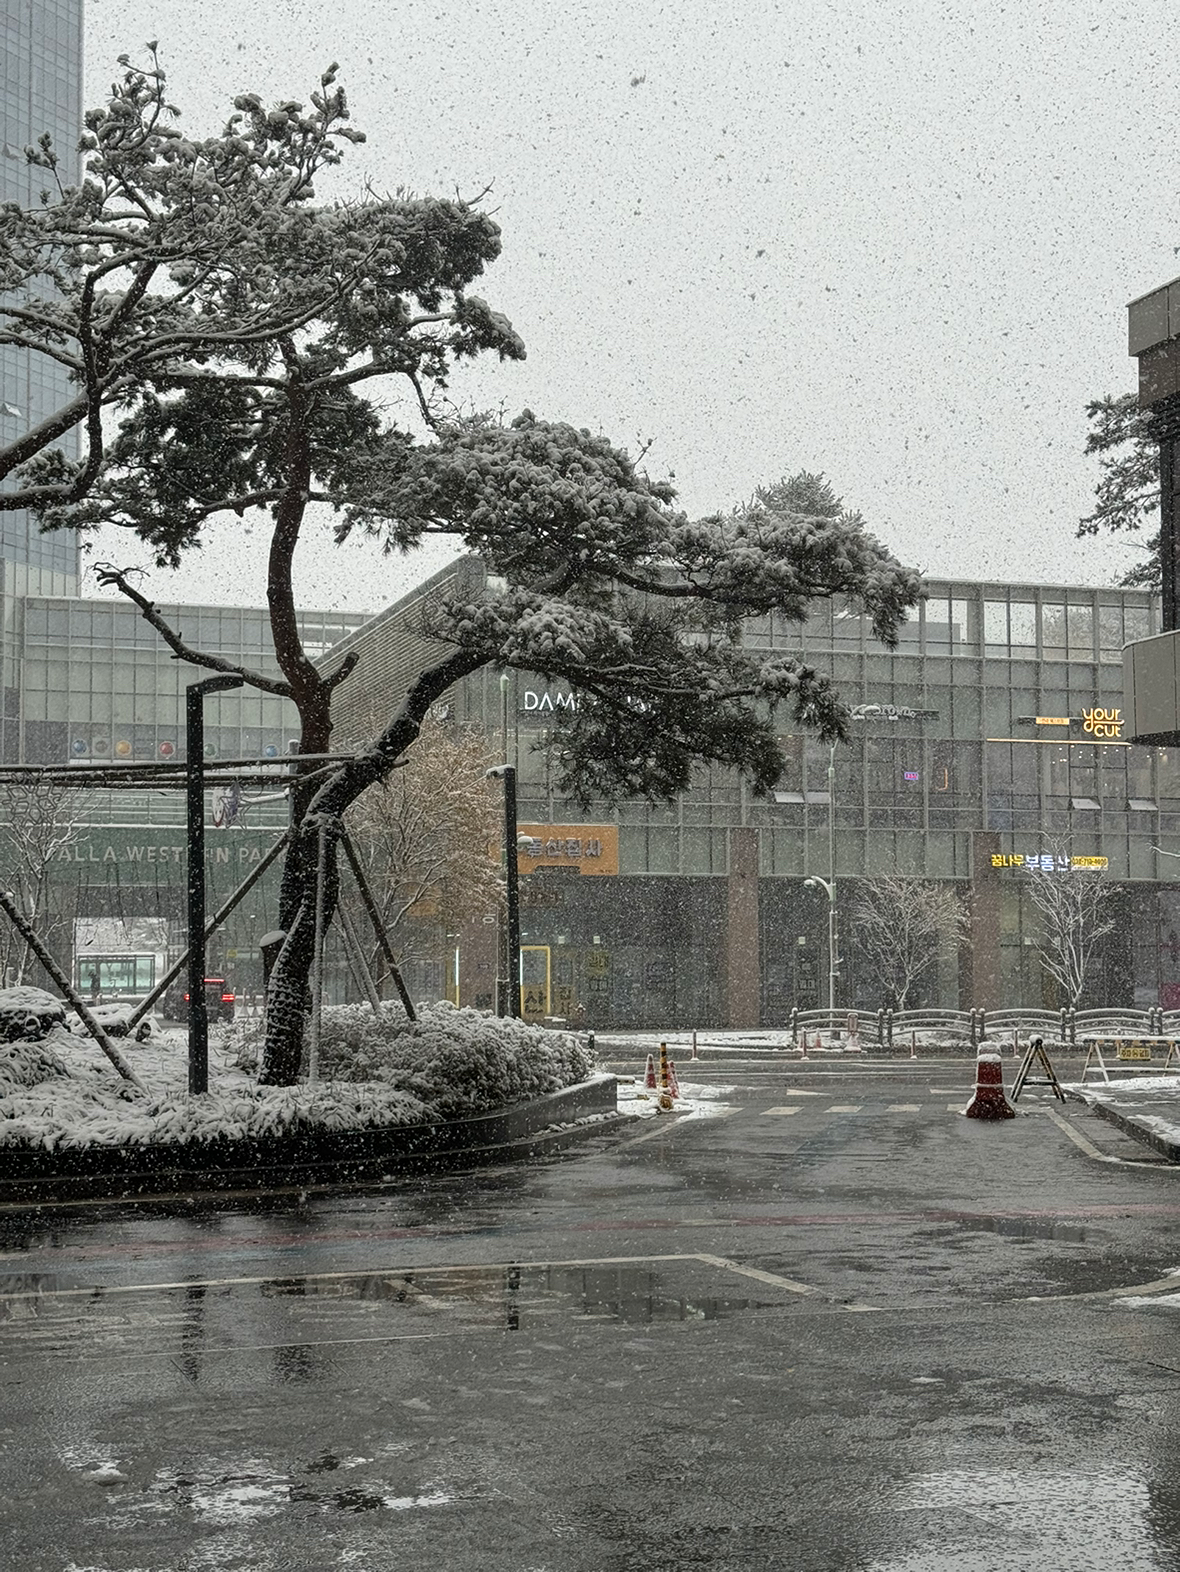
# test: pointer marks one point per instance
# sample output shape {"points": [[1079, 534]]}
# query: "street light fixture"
{"points": [[828, 885], [507, 773]]}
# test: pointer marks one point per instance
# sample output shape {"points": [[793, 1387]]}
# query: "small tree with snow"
{"points": [[1072, 907], [903, 926], [39, 822], [428, 838]]}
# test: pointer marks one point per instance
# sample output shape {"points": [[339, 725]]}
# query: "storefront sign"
{"points": [[1046, 862], [889, 712], [590, 848], [1103, 723], [1095, 722], [531, 700]]}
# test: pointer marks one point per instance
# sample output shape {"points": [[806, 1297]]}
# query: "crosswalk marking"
{"points": [[904, 1108], [844, 1108], [955, 1107], [781, 1110]]}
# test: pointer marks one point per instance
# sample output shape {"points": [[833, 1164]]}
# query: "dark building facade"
{"points": [[985, 750]]}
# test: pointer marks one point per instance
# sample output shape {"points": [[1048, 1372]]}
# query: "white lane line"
{"points": [[956, 1107], [904, 1108], [759, 1276], [766, 1111], [400, 1272], [843, 1108], [664, 1125]]}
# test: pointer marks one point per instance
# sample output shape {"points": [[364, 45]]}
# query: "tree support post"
{"points": [[211, 927], [198, 1009], [60, 980], [374, 912]]}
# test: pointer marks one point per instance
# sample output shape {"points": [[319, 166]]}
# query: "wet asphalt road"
{"points": [[831, 1326]]}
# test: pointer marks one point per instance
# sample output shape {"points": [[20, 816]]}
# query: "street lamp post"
{"points": [[828, 885], [507, 774], [198, 1010]]}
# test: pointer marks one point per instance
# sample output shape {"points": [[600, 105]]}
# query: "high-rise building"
{"points": [[41, 92]]}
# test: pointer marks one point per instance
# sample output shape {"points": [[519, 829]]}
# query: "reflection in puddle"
{"points": [[1008, 1520], [517, 1296], [1024, 1227]]}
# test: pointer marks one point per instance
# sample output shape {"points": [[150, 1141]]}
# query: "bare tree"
{"points": [[903, 925], [428, 836], [38, 824], [1072, 907]]}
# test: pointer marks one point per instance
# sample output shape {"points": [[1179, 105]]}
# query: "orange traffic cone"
{"points": [[649, 1075], [673, 1083]]}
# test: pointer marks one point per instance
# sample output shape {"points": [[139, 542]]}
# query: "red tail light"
{"points": [[227, 998]]}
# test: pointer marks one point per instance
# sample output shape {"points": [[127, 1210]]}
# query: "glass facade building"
{"points": [[988, 736], [41, 92]]}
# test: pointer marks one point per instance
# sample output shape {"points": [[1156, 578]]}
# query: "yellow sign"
{"points": [[1052, 720], [590, 848], [1134, 1051], [1103, 723], [1046, 862]]}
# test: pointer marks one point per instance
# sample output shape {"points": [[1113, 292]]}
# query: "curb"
{"points": [[1130, 1125], [336, 1159]]}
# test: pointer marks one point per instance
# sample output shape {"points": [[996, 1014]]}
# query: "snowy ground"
{"points": [[694, 1101]]}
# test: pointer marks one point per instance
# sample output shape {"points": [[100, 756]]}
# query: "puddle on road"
{"points": [[1026, 1228], [518, 1296]]}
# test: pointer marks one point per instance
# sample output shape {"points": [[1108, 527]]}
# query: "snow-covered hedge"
{"points": [[375, 1071], [25, 1064], [459, 1062]]}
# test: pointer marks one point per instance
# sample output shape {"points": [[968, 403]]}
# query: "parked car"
{"points": [[28, 1014], [219, 1000]]}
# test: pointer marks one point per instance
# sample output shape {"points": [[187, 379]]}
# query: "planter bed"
{"points": [[31, 1175]]}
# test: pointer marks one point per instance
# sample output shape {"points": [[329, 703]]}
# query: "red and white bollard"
{"points": [[649, 1075], [989, 1101]]}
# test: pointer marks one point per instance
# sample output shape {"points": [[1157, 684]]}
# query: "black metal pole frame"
{"points": [[194, 741], [512, 890]]}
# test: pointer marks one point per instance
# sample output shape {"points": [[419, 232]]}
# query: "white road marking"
{"points": [[759, 1276], [780, 1111], [904, 1108], [411, 1270], [844, 1108]]}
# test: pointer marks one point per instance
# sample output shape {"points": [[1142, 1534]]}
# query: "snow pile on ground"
{"points": [[375, 1071]]}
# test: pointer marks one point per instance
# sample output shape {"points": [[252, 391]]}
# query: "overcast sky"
{"points": [[890, 240]]}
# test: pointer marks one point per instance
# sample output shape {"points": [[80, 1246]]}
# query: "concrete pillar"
{"points": [[986, 975], [478, 956], [742, 951]]}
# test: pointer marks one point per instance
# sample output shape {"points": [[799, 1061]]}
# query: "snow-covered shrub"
{"points": [[26, 1064], [97, 1111], [458, 1061], [27, 1013]]}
